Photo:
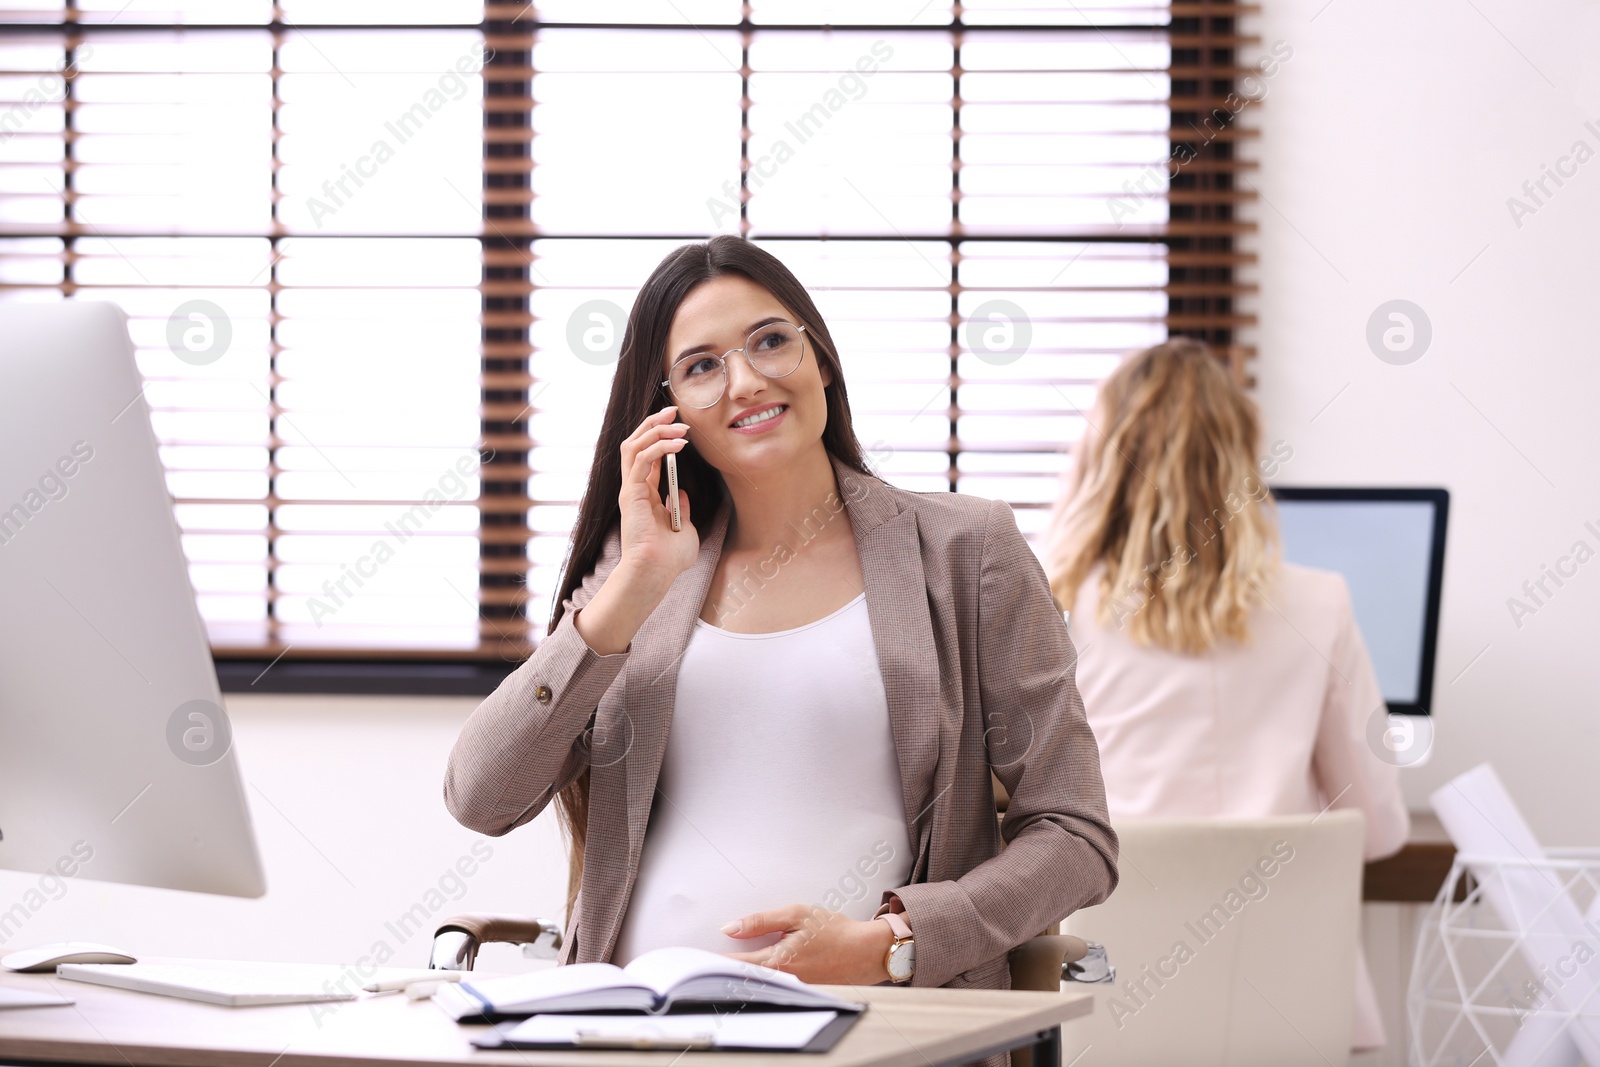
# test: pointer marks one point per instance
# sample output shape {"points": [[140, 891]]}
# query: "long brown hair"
{"points": [[1165, 492], [636, 391]]}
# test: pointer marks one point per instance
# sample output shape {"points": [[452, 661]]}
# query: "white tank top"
{"points": [[779, 786]]}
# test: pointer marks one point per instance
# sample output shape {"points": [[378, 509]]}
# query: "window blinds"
{"points": [[420, 226]]}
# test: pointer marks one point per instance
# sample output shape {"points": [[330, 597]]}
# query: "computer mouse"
{"points": [[47, 957]]}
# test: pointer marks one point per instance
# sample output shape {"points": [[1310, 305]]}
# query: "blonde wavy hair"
{"points": [[1165, 492]]}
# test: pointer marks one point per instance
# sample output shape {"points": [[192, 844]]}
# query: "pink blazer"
{"points": [[978, 673], [1276, 726]]}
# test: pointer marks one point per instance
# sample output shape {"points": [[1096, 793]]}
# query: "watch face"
{"points": [[903, 961]]}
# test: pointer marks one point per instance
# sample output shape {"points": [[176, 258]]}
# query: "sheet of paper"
{"points": [[29, 998], [752, 1029]]}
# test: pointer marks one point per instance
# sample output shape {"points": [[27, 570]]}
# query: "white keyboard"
{"points": [[266, 983]]}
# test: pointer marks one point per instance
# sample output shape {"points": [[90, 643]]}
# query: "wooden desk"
{"points": [[1414, 874], [902, 1028]]}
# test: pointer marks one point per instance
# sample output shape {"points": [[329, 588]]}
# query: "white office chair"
{"points": [[1234, 943]]}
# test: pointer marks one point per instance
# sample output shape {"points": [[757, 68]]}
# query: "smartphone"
{"points": [[672, 490]]}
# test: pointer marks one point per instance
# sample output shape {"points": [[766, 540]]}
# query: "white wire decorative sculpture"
{"points": [[1507, 965]]}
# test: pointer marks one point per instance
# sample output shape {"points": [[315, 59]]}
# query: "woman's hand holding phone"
{"points": [[653, 553], [648, 540]]}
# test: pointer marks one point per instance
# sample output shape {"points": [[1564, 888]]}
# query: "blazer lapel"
{"points": [[890, 546], [649, 690], [651, 676]]}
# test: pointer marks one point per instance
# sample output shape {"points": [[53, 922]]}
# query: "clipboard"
{"points": [[632, 1032]]}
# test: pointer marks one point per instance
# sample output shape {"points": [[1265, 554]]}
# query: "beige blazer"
{"points": [[978, 673]]}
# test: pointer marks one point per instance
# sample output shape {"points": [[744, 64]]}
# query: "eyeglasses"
{"points": [[774, 350]]}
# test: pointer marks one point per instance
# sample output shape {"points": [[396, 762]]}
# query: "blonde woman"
{"points": [[1219, 681]]}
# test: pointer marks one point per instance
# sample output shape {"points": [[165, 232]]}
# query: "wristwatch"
{"points": [[901, 961]]}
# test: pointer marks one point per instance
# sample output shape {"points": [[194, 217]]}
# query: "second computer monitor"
{"points": [[1389, 546]]}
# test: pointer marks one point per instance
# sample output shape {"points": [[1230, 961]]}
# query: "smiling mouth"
{"points": [[762, 416]]}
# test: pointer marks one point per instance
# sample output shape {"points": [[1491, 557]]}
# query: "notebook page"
{"points": [[661, 969], [554, 982]]}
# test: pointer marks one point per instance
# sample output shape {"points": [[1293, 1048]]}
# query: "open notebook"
{"points": [[656, 982]]}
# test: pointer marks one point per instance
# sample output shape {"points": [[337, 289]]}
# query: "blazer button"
{"points": [[542, 694]]}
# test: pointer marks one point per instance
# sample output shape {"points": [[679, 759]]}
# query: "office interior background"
{"points": [[423, 223]]}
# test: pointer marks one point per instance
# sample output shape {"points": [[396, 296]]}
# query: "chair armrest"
{"points": [[456, 940], [494, 928], [1037, 962]]}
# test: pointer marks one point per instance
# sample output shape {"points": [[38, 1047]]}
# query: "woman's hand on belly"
{"points": [[817, 945]]}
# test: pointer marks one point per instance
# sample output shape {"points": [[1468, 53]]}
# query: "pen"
{"points": [[391, 985], [624, 1039]]}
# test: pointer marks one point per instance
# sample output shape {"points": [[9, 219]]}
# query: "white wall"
{"points": [[346, 798], [1391, 141]]}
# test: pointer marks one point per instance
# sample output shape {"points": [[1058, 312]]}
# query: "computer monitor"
{"points": [[1389, 546], [116, 759]]}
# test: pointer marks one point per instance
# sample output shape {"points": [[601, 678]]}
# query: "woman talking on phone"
{"points": [[767, 727]]}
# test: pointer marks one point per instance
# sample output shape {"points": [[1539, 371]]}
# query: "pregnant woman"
{"points": [[771, 732]]}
